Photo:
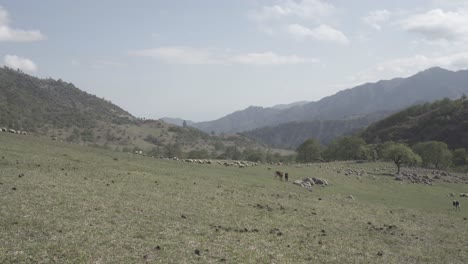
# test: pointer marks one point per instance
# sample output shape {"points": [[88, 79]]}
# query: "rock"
{"points": [[350, 197], [319, 181]]}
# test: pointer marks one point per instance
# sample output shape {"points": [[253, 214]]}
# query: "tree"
{"points": [[253, 155], [231, 152], [434, 153], [348, 148], [198, 154], [459, 157], [308, 151], [172, 150], [400, 154]]}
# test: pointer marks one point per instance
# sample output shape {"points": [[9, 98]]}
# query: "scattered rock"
{"points": [[197, 252], [183, 216], [350, 197]]}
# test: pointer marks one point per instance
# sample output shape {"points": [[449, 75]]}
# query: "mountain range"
{"points": [[383, 96]]}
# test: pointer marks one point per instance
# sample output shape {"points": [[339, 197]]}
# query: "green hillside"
{"points": [[64, 203], [445, 120], [291, 135], [58, 110]]}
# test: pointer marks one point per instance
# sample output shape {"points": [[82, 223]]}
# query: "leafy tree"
{"points": [[231, 153], [348, 148], [198, 154], [400, 154], [253, 155], [435, 153], [459, 157], [172, 150], [308, 151]]}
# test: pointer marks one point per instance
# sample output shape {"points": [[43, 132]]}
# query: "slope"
{"points": [[445, 120]]}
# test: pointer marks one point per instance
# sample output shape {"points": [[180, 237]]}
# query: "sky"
{"points": [[200, 60]]}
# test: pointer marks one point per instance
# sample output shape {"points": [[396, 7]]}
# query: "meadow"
{"points": [[64, 203]]}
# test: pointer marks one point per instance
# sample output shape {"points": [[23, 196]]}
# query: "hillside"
{"points": [[388, 95], [57, 109], [445, 120], [63, 203], [291, 135], [29, 103], [176, 121]]}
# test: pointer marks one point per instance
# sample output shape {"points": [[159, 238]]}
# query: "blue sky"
{"points": [[200, 60]]}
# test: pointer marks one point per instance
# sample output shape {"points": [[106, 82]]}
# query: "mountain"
{"points": [[444, 120], [177, 121], [286, 106], [291, 135], [29, 103], [388, 95], [57, 109]]}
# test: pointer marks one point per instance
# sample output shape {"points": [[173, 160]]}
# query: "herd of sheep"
{"points": [[4, 129]]}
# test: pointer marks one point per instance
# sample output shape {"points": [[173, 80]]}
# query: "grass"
{"points": [[79, 204]]}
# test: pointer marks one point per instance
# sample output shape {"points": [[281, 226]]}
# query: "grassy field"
{"points": [[63, 203]]}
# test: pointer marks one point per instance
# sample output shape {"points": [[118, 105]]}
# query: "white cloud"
{"points": [[16, 35], [188, 55], [376, 18], [23, 64], [182, 55], [323, 33], [269, 58], [404, 67], [304, 9], [438, 24]]}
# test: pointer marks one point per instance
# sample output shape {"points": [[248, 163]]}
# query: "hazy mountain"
{"points": [[443, 120], [58, 109], [291, 135], [176, 121], [286, 106], [388, 95]]}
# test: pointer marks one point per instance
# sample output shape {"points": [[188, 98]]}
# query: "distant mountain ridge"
{"points": [[286, 106], [387, 95], [291, 135], [176, 121]]}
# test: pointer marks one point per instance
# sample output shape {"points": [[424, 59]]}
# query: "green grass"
{"points": [[86, 205]]}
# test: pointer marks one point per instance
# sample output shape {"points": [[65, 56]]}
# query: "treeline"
{"points": [[227, 153], [430, 154]]}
